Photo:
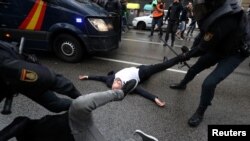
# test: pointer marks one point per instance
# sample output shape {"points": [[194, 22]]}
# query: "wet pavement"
{"points": [[118, 120]]}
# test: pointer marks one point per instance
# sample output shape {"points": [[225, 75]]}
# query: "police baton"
{"points": [[20, 49], [183, 50], [7, 105], [9, 99]]}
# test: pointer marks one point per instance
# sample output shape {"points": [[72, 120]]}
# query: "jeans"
{"points": [[225, 66], [80, 114], [157, 21]]}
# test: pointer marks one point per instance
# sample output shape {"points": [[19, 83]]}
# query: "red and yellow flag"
{"points": [[35, 17]]}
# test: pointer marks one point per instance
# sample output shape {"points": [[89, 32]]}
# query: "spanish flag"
{"points": [[35, 17]]}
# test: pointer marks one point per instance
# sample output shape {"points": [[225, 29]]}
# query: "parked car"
{"points": [[69, 28], [145, 22]]}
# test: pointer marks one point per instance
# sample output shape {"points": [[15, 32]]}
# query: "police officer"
{"points": [[33, 80], [75, 125], [218, 43]]}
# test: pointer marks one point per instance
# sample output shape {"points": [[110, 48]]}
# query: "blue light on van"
{"points": [[78, 20]]}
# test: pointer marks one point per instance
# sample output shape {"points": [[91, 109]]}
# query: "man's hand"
{"points": [[83, 77], [31, 58]]}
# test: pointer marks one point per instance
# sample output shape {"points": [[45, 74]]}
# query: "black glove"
{"points": [[187, 54], [245, 50], [31, 58], [184, 57]]}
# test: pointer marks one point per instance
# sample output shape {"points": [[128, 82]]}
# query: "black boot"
{"points": [[197, 117], [178, 86], [14, 129]]}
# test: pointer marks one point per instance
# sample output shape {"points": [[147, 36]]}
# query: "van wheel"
{"points": [[141, 26], [68, 48]]}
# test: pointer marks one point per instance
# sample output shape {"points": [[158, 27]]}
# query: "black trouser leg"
{"points": [[168, 31], [223, 69], [203, 62], [51, 102], [17, 127], [145, 71], [173, 32], [64, 86]]}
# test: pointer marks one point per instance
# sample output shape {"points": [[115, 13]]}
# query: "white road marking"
{"points": [[133, 63], [149, 42]]}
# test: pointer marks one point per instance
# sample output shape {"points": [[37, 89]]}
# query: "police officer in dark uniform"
{"points": [[218, 43], [33, 80]]}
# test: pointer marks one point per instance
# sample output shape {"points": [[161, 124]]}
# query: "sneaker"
{"points": [[150, 36], [145, 137], [129, 86]]}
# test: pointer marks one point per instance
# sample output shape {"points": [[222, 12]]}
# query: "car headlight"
{"points": [[100, 25]]}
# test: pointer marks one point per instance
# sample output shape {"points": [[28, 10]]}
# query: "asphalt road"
{"points": [[118, 120]]}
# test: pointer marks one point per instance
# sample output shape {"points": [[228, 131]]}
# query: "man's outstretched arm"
{"points": [[96, 78], [147, 95]]}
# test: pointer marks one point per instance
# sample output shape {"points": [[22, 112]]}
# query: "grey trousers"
{"points": [[80, 114]]}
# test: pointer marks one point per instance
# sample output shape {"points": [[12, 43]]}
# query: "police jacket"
{"points": [[221, 37], [21, 76]]}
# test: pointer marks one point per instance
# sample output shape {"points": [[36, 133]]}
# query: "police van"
{"points": [[69, 28]]}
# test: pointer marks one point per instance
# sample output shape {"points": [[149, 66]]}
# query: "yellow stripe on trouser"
{"points": [[33, 21]]}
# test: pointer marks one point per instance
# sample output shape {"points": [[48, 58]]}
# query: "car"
{"points": [[145, 22], [69, 28]]}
